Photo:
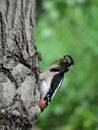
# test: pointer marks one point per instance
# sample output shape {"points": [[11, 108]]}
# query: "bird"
{"points": [[51, 79]]}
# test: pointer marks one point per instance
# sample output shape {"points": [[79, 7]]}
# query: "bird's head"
{"points": [[66, 63]]}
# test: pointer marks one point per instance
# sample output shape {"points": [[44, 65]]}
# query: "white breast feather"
{"points": [[45, 86]]}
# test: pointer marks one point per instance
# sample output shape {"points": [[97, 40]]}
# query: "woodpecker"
{"points": [[51, 80]]}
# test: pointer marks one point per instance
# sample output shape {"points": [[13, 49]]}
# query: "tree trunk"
{"points": [[19, 73]]}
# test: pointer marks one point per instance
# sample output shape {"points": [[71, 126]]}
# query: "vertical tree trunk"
{"points": [[19, 93]]}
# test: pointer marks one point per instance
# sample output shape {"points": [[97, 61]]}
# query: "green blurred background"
{"points": [[70, 27]]}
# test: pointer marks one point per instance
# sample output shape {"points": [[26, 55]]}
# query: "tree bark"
{"points": [[19, 73]]}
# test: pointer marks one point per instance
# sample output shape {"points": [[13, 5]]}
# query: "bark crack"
{"points": [[8, 74], [3, 33], [7, 8], [22, 20], [20, 55], [14, 12]]}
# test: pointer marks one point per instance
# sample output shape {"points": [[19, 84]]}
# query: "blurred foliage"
{"points": [[71, 27]]}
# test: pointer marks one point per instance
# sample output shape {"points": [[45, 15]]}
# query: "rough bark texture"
{"points": [[19, 81]]}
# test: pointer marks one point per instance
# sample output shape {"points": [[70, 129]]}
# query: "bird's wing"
{"points": [[55, 85]]}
